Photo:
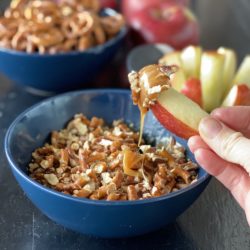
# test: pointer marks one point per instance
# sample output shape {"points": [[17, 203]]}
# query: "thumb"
{"points": [[230, 145]]}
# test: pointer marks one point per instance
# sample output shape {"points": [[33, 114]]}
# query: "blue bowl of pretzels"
{"points": [[55, 46], [90, 189]]}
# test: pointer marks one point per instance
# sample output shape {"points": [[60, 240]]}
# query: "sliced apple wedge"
{"points": [[238, 95], [192, 89], [178, 114], [211, 76], [191, 61], [229, 70], [243, 73], [178, 78]]}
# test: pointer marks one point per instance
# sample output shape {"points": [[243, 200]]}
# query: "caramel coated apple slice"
{"points": [[174, 111]]}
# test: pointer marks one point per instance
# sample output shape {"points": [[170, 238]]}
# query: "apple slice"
{"points": [[211, 76], [178, 113], [243, 73], [238, 95], [178, 78], [229, 70], [191, 61], [192, 89]]}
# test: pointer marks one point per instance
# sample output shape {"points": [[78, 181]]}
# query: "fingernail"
{"points": [[209, 127]]}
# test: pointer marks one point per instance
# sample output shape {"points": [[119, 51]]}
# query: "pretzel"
{"points": [[19, 41], [47, 38], [85, 42], [42, 12], [13, 13], [31, 27], [8, 28], [98, 34], [93, 5], [79, 25], [16, 4], [5, 42]]}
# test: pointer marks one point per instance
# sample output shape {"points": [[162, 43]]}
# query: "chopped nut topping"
{"points": [[87, 161], [51, 179]]}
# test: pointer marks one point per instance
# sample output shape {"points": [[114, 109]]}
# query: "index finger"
{"points": [[237, 118]]}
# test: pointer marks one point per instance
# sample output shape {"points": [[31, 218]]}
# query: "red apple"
{"points": [[109, 4], [178, 114], [131, 6], [162, 22], [238, 95], [192, 89]]}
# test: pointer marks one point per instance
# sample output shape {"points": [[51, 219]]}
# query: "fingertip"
{"points": [[199, 154], [192, 142], [205, 159], [219, 112], [216, 111]]}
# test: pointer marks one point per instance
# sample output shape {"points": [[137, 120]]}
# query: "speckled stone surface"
{"points": [[214, 221]]}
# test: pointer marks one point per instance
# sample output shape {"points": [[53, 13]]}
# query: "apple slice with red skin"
{"points": [[211, 76], [243, 73], [192, 89], [178, 113], [229, 70], [191, 61], [239, 95], [178, 78]]}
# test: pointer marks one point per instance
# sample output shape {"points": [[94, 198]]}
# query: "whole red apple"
{"points": [[130, 6], [163, 22]]}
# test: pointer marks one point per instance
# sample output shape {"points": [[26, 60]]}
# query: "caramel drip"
{"points": [[151, 76], [132, 162], [147, 78], [143, 113], [142, 119]]}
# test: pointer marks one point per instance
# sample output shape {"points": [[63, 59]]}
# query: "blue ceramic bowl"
{"points": [[100, 218], [62, 71]]}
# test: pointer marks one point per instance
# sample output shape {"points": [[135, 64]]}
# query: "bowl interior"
{"points": [[32, 128]]}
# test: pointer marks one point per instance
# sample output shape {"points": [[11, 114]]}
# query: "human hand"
{"points": [[223, 150]]}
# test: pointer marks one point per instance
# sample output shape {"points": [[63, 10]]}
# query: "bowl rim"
{"points": [[92, 50], [15, 167]]}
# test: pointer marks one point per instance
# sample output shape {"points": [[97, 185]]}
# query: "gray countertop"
{"points": [[214, 221]]}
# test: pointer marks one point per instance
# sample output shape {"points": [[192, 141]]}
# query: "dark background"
{"points": [[214, 221]]}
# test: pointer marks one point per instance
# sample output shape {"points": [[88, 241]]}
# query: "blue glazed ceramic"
{"points": [[100, 218], [59, 72]]}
